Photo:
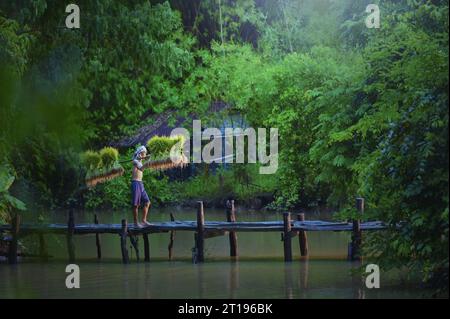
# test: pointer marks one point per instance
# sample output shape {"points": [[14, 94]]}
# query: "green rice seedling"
{"points": [[101, 166], [109, 156], [160, 146], [179, 142], [92, 160]]}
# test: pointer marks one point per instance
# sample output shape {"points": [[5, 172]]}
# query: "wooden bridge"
{"points": [[288, 227]]}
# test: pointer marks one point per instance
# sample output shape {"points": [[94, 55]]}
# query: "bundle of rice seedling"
{"points": [[110, 163], [167, 163], [92, 162], [102, 166], [109, 156], [160, 146], [166, 152]]}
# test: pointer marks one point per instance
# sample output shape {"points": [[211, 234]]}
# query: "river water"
{"points": [[258, 273]]}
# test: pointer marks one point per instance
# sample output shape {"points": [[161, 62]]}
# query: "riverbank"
{"points": [[258, 202]]}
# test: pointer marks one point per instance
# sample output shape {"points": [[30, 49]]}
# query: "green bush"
{"points": [[224, 183], [112, 195], [7, 201]]}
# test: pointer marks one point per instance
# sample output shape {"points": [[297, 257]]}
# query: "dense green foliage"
{"points": [[7, 202], [360, 112]]}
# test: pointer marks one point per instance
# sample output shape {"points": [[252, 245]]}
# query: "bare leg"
{"points": [[135, 214], [145, 212]]}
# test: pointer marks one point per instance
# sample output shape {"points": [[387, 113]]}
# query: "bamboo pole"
{"points": [[13, 246], [43, 248], [97, 239], [123, 242], [146, 247], [70, 234], [134, 243], [231, 218], [287, 245], [302, 237], [172, 237], [356, 232], [200, 241]]}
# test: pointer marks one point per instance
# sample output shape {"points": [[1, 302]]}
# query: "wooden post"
{"points": [[231, 218], [287, 237], [194, 250], [302, 238], [172, 237], [234, 280], [13, 246], [200, 241], [70, 233], [134, 242], [146, 247], [97, 240], [356, 232], [123, 242], [43, 248]]}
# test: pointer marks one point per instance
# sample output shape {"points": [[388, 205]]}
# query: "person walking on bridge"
{"points": [[139, 196]]}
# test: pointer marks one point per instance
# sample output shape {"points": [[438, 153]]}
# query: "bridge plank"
{"points": [[211, 226]]}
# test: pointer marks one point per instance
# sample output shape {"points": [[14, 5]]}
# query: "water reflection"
{"points": [[288, 281], [303, 278], [358, 281], [234, 279], [306, 278]]}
